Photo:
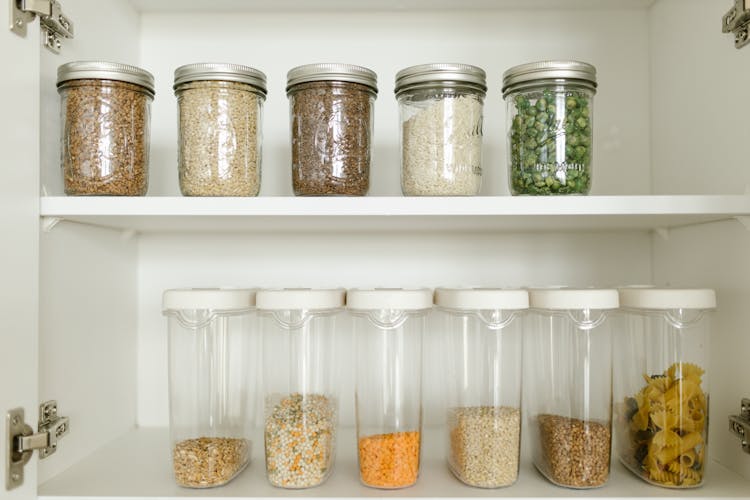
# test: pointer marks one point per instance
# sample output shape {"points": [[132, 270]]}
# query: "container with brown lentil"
{"points": [[568, 384], [331, 107], [105, 115], [219, 108]]}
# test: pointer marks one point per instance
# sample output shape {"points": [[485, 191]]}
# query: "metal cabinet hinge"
{"points": [[737, 21], [740, 424], [54, 24], [21, 441]]}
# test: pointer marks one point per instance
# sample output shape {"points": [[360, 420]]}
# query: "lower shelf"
{"points": [[137, 465]]}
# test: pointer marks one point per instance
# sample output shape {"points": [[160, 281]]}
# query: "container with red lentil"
{"points": [[388, 326], [106, 114]]}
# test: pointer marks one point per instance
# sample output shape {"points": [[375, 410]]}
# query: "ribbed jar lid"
{"points": [[279, 299], [321, 72], [220, 72], [425, 74], [372, 299], [218, 299], [571, 298], [667, 298], [481, 298], [103, 70], [549, 70]]}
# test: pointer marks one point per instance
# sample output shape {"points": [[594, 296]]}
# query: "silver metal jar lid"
{"points": [[220, 72], [519, 76], [103, 70], [440, 73], [322, 72]]}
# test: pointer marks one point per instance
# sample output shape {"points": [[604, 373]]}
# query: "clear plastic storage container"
{"points": [[441, 129], [550, 110], [483, 330], [661, 384], [106, 127], [388, 327], [212, 347], [301, 396], [220, 116], [331, 107], [568, 384]]}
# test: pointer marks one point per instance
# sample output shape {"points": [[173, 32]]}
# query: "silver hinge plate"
{"points": [[21, 441], [54, 24], [737, 21], [739, 425]]}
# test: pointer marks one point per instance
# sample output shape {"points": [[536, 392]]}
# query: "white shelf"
{"points": [[501, 213], [138, 465], [362, 5]]}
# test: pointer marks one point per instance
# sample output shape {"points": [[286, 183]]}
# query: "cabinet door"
{"points": [[19, 243]]}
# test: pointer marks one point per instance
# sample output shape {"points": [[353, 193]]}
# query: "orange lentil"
{"points": [[389, 460]]}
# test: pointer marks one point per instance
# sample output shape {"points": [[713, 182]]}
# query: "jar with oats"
{"points": [[441, 129], [567, 384], [483, 332], [219, 112], [300, 386], [213, 346], [331, 108], [388, 328], [105, 116]]}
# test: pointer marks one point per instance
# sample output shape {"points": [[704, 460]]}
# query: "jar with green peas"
{"points": [[550, 127]]}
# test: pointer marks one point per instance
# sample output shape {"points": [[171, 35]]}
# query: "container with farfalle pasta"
{"points": [[661, 384]]}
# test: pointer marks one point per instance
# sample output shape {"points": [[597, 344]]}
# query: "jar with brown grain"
{"points": [[331, 108], [106, 114], [219, 114]]}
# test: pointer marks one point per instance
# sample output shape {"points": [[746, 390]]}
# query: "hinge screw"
{"points": [[15, 420], [15, 477]]}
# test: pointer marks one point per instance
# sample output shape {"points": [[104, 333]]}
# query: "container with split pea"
{"points": [[441, 129], [105, 116], [483, 337], [567, 384], [388, 329], [220, 116], [661, 384], [331, 114], [300, 384], [213, 347], [550, 127]]}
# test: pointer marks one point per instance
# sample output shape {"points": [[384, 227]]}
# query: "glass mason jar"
{"points": [[661, 384], [301, 403], [332, 108], [550, 111], [212, 347], [568, 384], [388, 327], [106, 125], [483, 332], [220, 116], [441, 129]]}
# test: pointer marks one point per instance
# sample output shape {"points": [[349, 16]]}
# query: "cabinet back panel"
{"points": [[616, 41], [365, 260]]}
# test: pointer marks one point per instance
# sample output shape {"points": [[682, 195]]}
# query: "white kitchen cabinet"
{"points": [[82, 277]]}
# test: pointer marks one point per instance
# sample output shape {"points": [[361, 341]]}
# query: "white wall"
{"points": [[616, 41]]}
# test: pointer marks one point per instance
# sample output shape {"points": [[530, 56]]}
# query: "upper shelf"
{"points": [[501, 213], [362, 5]]}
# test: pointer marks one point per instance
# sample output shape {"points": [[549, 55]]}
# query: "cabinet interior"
{"points": [[667, 121]]}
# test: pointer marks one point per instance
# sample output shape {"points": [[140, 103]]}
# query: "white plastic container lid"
{"points": [[372, 299], [220, 299], [279, 299], [571, 298], [667, 298], [481, 298]]}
